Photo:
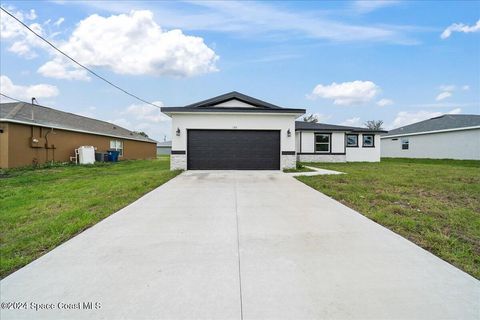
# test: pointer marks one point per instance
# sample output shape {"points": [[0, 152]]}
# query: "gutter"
{"points": [[74, 130], [223, 112]]}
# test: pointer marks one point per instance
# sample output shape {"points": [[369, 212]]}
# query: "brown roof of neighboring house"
{"points": [[33, 114]]}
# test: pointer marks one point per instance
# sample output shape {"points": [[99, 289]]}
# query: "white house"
{"points": [[235, 131], [451, 136], [319, 142]]}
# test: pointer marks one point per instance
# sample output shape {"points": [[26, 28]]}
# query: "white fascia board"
{"points": [[74, 130], [297, 114], [428, 132]]}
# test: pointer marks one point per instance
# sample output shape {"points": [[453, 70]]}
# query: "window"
{"points": [[368, 141], [405, 143], [322, 142], [117, 145], [352, 140]]}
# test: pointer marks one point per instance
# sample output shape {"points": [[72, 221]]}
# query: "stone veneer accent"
{"points": [[289, 161], [178, 162], [321, 158]]}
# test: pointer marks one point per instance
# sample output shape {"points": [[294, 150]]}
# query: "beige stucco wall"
{"points": [[61, 145]]}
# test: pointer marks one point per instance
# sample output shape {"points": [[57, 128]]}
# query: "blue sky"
{"points": [[347, 62]]}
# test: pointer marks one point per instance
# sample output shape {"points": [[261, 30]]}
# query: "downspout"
{"points": [[47, 147]]}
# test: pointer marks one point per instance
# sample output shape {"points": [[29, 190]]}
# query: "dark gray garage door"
{"points": [[233, 149]]}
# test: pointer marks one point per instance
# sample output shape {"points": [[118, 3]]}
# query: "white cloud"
{"points": [[31, 15], [347, 93], [27, 92], [384, 102], [365, 6], [23, 40], [443, 95], [59, 68], [352, 122], [135, 44], [146, 112], [256, 19], [144, 117], [404, 118], [59, 21], [460, 27], [465, 87]]}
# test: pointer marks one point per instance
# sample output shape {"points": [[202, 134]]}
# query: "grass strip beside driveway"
{"points": [[42, 208], [434, 203]]}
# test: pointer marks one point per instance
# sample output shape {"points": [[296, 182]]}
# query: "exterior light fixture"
{"points": [[289, 133], [178, 132]]}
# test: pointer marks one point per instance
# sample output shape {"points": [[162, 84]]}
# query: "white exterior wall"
{"points": [[338, 153], [338, 142], [240, 121], [308, 141], [463, 145], [361, 154], [297, 141]]}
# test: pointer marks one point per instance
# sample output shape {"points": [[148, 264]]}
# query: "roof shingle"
{"points": [[48, 117], [313, 126], [445, 122]]}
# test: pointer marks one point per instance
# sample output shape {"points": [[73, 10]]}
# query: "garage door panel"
{"points": [[233, 149]]}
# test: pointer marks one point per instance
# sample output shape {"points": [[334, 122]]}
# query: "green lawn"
{"points": [[434, 203], [42, 208]]}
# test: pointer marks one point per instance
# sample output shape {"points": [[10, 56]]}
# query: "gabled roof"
{"points": [[32, 114], [212, 105], [445, 122], [312, 126]]}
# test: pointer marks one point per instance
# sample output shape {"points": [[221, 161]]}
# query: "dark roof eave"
{"points": [[341, 130]]}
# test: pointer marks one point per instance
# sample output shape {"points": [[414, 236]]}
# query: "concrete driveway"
{"points": [[232, 245]]}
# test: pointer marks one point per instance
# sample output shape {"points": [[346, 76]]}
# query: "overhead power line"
{"points": [[78, 63], [4, 95], [21, 101]]}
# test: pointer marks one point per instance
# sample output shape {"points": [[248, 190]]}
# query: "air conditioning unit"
{"points": [[86, 155]]}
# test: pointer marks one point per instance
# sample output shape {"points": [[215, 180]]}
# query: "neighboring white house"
{"points": [[164, 147], [451, 136], [235, 131]]}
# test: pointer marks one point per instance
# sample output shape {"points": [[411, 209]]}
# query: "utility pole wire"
{"points": [[78, 63], [4, 95]]}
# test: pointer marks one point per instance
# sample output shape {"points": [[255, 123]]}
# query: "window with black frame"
{"points": [[405, 144], [368, 141], [352, 140], [322, 142]]}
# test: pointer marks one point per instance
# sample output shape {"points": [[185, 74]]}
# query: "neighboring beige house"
{"points": [[32, 134]]}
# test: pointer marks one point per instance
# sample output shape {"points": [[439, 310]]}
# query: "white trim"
{"points": [[170, 113], [74, 130], [428, 132]]}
